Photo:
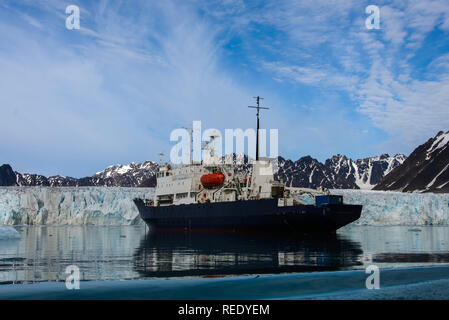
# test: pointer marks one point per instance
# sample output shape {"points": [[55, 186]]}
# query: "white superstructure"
{"points": [[214, 181]]}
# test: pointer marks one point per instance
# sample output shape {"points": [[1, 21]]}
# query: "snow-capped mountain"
{"points": [[338, 172], [27, 179], [306, 172], [365, 173], [132, 175], [426, 169]]}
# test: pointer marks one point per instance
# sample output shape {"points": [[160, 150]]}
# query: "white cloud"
{"points": [[393, 25], [324, 76], [410, 110], [374, 67], [129, 77], [116, 98]]}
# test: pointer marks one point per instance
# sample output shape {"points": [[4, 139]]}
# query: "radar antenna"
{"points": [[257, 137]]}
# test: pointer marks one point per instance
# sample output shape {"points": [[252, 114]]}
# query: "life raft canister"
{"points": [[212, 180]]}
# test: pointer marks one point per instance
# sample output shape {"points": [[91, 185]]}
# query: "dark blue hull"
{"points": [[250, 215]]}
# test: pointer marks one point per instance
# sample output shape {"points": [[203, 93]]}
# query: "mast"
{"points": [[257, 133], [161, 157]]}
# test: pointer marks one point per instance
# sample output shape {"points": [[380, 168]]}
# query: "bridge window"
{"points": [[181, 195]]}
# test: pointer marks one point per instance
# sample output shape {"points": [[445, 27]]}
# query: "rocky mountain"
{"points": [[425, 170], [366, 172], [306, 172], [27, 179], [7, 176], [338, 172], [132, 175]]}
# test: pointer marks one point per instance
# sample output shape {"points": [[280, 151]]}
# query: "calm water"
{"points": [[129, 252]]}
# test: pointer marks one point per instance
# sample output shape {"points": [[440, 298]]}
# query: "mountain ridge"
{"points": [[425, 170], [337, 172]]}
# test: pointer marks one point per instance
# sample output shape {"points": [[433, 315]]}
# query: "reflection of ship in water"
{"points": [[173, 254]]}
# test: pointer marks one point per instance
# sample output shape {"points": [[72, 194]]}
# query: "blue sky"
{"points": [[73, 102]]}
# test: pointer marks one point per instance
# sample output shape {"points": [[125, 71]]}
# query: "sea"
{"points": [[135, 262]]}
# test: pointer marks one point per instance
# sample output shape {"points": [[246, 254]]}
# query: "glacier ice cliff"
{"points": [[70, 205], [114, 206], [397, 208]]}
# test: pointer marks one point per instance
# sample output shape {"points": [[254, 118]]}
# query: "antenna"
{"points": [[258, 110]]}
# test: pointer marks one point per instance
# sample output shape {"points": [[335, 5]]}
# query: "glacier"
{"points": [[70, 205], [382, 208], [114, 206]]}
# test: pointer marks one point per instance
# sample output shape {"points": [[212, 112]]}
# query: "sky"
{"points": [[73, 102]]}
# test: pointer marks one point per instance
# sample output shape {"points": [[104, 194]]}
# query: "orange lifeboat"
{"points": [[212, 180]]}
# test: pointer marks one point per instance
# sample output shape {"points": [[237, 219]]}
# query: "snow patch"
{"points": [[436, 177], [439, 143], [124, 169], [439, 187]]}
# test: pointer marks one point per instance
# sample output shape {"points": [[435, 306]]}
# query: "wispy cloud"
{"points": [[75, 101], [374, 67], [113, 96]]}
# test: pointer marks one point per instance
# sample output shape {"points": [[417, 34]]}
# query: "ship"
{"points": [[213, 195]]}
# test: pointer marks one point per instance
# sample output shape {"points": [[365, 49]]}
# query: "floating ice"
{"points": [[8, 233]]}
